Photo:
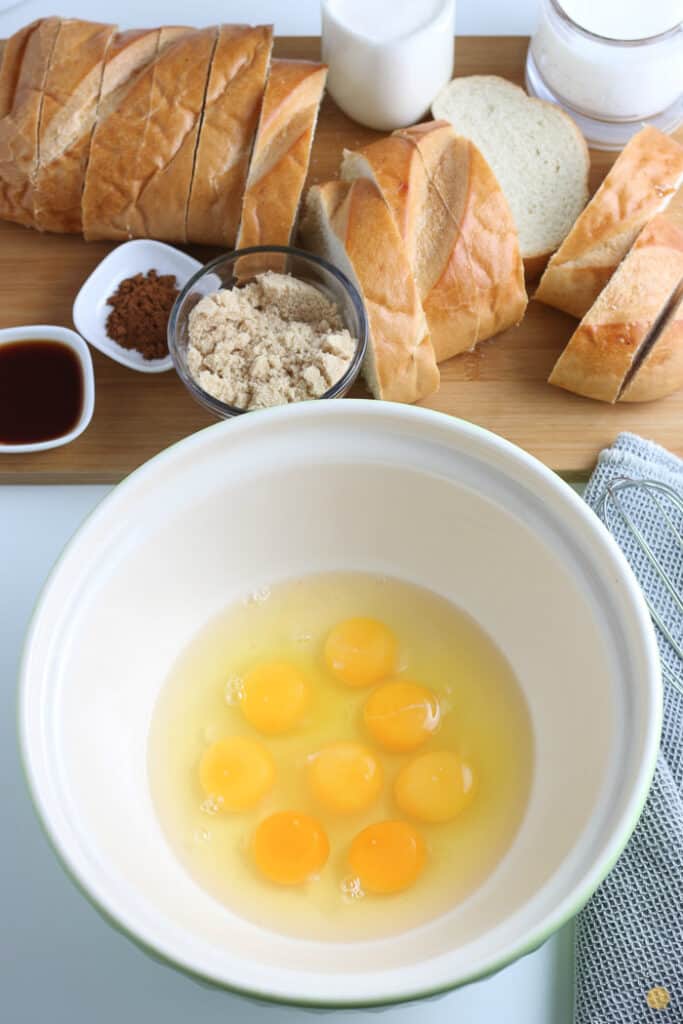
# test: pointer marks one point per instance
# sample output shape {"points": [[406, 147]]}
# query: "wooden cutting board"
{"points": [[501, 386]]}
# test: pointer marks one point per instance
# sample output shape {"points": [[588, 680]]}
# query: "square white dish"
{"points": [[91, 309], [69, 338]]}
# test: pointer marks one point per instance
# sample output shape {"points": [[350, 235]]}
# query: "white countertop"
{"points": [[59, 961]]}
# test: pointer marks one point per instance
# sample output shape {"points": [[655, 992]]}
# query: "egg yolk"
{"points": [[345, 778], [236, 772], [275, 697], [360, 652], [401, 715], [387, 857], [434, 787], [289, 847]]}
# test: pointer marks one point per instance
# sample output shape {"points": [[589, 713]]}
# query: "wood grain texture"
{"points": [[501, 386]]}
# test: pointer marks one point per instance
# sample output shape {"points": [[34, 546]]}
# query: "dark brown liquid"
{"points": [[41, 391]]}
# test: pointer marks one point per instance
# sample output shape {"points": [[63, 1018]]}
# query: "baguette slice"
{"points": [[160, 184], [112, 180], [433, 243], [640, 184], [281, 153], [25, 64], [618, 326], [661, 370], [477, 205], [72, 90], [350, 225], [535, 150], [231, 109]]}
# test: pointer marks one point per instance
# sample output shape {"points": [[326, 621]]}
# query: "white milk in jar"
{"points": [[387, 58], [611, 64]]}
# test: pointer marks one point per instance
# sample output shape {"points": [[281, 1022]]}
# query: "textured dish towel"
{"points": [[629, 938]]}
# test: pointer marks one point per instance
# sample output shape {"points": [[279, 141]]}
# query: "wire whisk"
{"points": [[651, 512]]}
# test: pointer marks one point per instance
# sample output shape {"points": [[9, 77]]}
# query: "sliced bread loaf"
{"points": [[535, 150], [640, 183], [432, 239], [616, 331], [350, 224]]}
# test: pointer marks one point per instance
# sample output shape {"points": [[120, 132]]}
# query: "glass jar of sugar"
{"points": [[387, 58], [611, 64]]}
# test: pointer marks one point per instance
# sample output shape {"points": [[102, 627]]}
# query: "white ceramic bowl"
{"points": [[90, 309], [350, 485], [47, 332]]}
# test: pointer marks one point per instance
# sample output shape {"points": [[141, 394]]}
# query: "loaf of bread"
{"points": [[281, 153], [535, 150], [231, 110], [641, 182], [616, 331], [477, 205], [431, 237], [350, 224], [26, 60], [660, 372], [71, 96]]}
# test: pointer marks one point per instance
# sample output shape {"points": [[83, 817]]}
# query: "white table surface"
{"points": [[59, 962]]}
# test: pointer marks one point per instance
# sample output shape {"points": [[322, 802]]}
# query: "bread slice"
{"points": [[350, 225], [119, 129], [281, 153], [433, 243], [617, 328], [25, 64], [71, 95], [231, 109], [660, 373], [640, 184], [159, 186], [535, 150], [477, 205]]}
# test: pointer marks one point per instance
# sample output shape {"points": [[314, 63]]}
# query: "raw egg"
{"points": [[387, 857], [361, 652], [275, 697], [289, 847], [236, 772], [434, 787], [401, 715], [344, 777]]}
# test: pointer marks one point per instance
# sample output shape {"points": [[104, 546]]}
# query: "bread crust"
{"points": [[119, 131], [404, 359], [432, 239], [165, 158], [231, 110], [72, 90], [614, 332], [478, 207], [26, 60], [282, 149], [661, 371], [640, 184]]}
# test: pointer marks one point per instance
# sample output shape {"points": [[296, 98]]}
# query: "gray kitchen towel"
{"points": [[629, 938]]}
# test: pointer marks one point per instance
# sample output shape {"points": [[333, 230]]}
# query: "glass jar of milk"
{"points": [[387, 58], [612, 64]]}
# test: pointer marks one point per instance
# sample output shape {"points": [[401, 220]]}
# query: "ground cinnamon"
{"points": [[141, 306]]}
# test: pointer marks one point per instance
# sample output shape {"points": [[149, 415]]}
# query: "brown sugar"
{"points": [[141, 306]]}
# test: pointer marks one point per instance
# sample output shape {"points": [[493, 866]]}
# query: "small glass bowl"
{"points": [[284, 259]]}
